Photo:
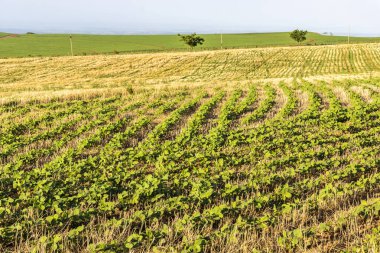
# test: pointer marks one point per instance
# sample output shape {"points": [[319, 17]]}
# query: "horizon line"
{"points": [[24, 31]]}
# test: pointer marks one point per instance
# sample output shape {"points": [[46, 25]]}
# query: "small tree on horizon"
{"points": [[298, 35], [192, 40]]}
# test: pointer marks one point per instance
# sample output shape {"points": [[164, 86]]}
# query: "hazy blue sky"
{"points": [[172, 16]]}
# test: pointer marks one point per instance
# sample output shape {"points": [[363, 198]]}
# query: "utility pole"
{"points": [[71, 45], [349, 34], [221, 40]]}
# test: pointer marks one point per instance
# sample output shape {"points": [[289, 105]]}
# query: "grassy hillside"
{"points": [[192, 152], [54, 45]]}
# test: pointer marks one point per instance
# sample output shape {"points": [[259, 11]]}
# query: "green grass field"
{"points": [[58, 44]]}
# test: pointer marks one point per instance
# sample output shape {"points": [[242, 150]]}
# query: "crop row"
{"points": [[204, 170]]}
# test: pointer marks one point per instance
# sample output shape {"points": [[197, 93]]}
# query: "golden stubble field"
{"points": [[69, 75]]}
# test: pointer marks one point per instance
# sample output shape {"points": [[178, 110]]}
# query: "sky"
{"points": [[201, 16]]}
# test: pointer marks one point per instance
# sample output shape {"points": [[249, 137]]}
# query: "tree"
{"points": [[298, 35], [192, 40]]}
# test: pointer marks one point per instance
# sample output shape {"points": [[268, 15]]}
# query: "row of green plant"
{"points": [[187, 174]]}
